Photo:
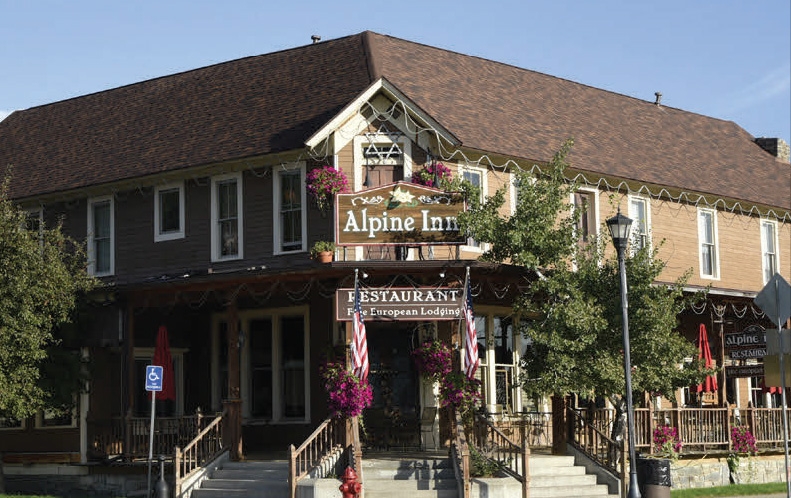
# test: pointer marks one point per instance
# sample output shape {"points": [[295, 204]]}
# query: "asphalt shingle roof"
{"points": [[274, 102]]}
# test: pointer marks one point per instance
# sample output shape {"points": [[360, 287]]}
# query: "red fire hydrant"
{"points": [[350, 487]]}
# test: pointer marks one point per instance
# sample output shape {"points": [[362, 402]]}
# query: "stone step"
{"points": [[561, 481], [598, 490]]}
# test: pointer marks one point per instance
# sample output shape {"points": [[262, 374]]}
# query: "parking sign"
{"points": [[153, 378]]}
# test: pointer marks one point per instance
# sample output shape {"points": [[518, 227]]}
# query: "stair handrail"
{"points": [[597, 445], [203, 448], [328, 438], [460, 458], [511, 458]]}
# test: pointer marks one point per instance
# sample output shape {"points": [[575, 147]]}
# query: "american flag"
{"points": [[359, 341], [471, 359]]}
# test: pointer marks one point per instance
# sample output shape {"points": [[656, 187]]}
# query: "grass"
{"points": [[732, 490]]}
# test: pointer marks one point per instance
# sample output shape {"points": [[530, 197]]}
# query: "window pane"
{"points": [[291, 211], [293, 361], [261, 367], [101, 236], [480, 329], [229, 238], [503, 340], [169, 211]]}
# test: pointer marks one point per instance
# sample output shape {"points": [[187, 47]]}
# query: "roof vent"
{"points": [[658, 98], [315, 38]]}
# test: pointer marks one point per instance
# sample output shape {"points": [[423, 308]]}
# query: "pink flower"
{"points": [[323, 183]]}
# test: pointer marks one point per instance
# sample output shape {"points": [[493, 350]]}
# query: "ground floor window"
{"points": [[498, 350], [273, 348], [164, 408]]}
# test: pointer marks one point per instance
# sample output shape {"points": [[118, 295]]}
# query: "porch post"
{"points": [[130, 376], [233, 404], [559, 426]]}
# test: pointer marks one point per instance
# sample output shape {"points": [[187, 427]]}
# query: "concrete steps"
{"points": [[246, 480], [414, 476]]}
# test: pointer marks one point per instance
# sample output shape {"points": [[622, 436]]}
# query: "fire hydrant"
{"points": [[350, 487]]}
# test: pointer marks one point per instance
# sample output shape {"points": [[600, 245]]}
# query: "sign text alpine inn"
{"points": [[399, 213]]}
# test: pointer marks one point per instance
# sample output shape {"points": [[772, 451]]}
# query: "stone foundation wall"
{"points": [[707, 472]]}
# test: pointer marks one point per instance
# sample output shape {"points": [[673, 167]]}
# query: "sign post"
{"points": [[153, 384], [775, 300]]}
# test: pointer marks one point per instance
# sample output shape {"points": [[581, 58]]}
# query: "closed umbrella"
{"points": [[709, 384], [162, 358]]}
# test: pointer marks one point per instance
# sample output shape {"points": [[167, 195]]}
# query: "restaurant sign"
{"points": [[401, 303], [398, 213], [747, 344]]}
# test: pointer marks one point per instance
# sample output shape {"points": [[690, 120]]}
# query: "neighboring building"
{"points": [[189, 191]]}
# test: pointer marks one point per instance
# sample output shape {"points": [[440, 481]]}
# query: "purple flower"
{"points": [[432, 359], [347, 395], [742, 440], [667, 440], [323, 183], [428, 174]]}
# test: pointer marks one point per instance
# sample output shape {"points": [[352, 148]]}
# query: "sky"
{"points": [[728, 59]]}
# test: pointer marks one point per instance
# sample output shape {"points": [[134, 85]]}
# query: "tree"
{"points": [[571, 313], [42, 274]]}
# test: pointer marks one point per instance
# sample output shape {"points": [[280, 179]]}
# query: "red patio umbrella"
{"points": [[709, 384], [162, 358]]}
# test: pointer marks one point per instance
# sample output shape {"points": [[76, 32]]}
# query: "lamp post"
{"points": [[620, 229]]}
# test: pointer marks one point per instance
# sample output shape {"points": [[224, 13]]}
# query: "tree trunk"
{"points": [[619, 423], [2, 478]]}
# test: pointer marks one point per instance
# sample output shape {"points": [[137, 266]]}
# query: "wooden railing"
{"points": [[327, 440], [204, 447], [460, 458], [128, 437], [511, 458], [585, 434]]}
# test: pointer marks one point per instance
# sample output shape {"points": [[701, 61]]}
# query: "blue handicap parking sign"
{"points": [[153, 378]]}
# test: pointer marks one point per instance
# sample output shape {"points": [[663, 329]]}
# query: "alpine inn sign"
{"points": [[398, 214]]}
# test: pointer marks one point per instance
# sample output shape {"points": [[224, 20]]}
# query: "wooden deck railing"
{"points": [[512, 458], [203, 448], [329, 438], [460, 458], [128, 437]]}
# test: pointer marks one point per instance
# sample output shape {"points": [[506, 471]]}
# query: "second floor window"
{"points": [[638, 211], [585, 204], [769, 248], [289, 197], [169, 212], [226, 203], [101, 246], [707, 236], [475, 177]]}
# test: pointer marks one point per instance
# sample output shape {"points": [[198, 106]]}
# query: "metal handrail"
{"points": [[512, 458], [596, 445]]}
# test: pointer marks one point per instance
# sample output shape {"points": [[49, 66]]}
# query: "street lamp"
{"points": [[620, 229]]}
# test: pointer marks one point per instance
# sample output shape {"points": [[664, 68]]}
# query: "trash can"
{"points": [[653, 477]]}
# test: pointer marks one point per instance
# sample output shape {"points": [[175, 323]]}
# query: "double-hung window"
{"points": [[769, 249], [290, 209], [476, 177], [707, 237], [169, 212], [226, 217], [587, 225], [101, 236], [638, 211]]}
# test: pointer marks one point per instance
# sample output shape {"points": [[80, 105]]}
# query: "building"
{"points": [[189, 192]]}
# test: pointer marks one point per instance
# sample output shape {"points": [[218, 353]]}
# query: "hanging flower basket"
{"points": [[347, 395], [432, 175], [323, 183], [432, 359]]}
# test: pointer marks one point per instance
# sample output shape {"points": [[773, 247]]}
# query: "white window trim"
{"points": [[484, 195], [91, 250], [158, 235], [646, 202], [359, 161], [276, 200], [596, 218], [244, 361], [215, 234], [716, 243], [764, 248]]}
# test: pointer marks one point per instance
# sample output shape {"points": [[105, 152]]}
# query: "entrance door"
{"points": [[392, 420]]}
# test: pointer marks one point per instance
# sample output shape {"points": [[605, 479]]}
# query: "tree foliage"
{"points": [[42, 273], [571, 313]]}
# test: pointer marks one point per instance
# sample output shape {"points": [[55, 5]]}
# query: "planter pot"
{"points": [[324, 257]]}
